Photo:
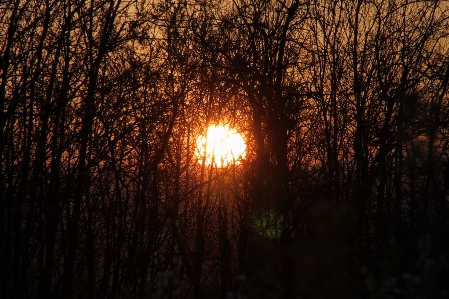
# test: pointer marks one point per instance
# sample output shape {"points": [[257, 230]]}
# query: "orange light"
{"points": [[220, 146]]}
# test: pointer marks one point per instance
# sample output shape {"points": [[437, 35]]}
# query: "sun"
{"points": [[220, 146]]}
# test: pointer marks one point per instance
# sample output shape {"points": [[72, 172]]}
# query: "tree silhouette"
{"points": [[343, 106]]}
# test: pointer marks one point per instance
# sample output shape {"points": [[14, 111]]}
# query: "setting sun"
{"points": [[220, 146]]}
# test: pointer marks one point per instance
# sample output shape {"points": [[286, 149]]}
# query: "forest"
{"points": [[343, 189]]}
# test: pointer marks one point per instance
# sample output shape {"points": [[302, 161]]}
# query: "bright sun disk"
{"points": [[220, 146]]}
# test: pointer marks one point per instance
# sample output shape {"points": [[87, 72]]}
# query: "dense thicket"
{"points": [[344, 189]]}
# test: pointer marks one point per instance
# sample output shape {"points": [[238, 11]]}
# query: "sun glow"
{"points": [[220, 146]]}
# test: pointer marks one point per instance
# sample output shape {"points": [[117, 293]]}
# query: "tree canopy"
{"points": [[343, 189]]}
